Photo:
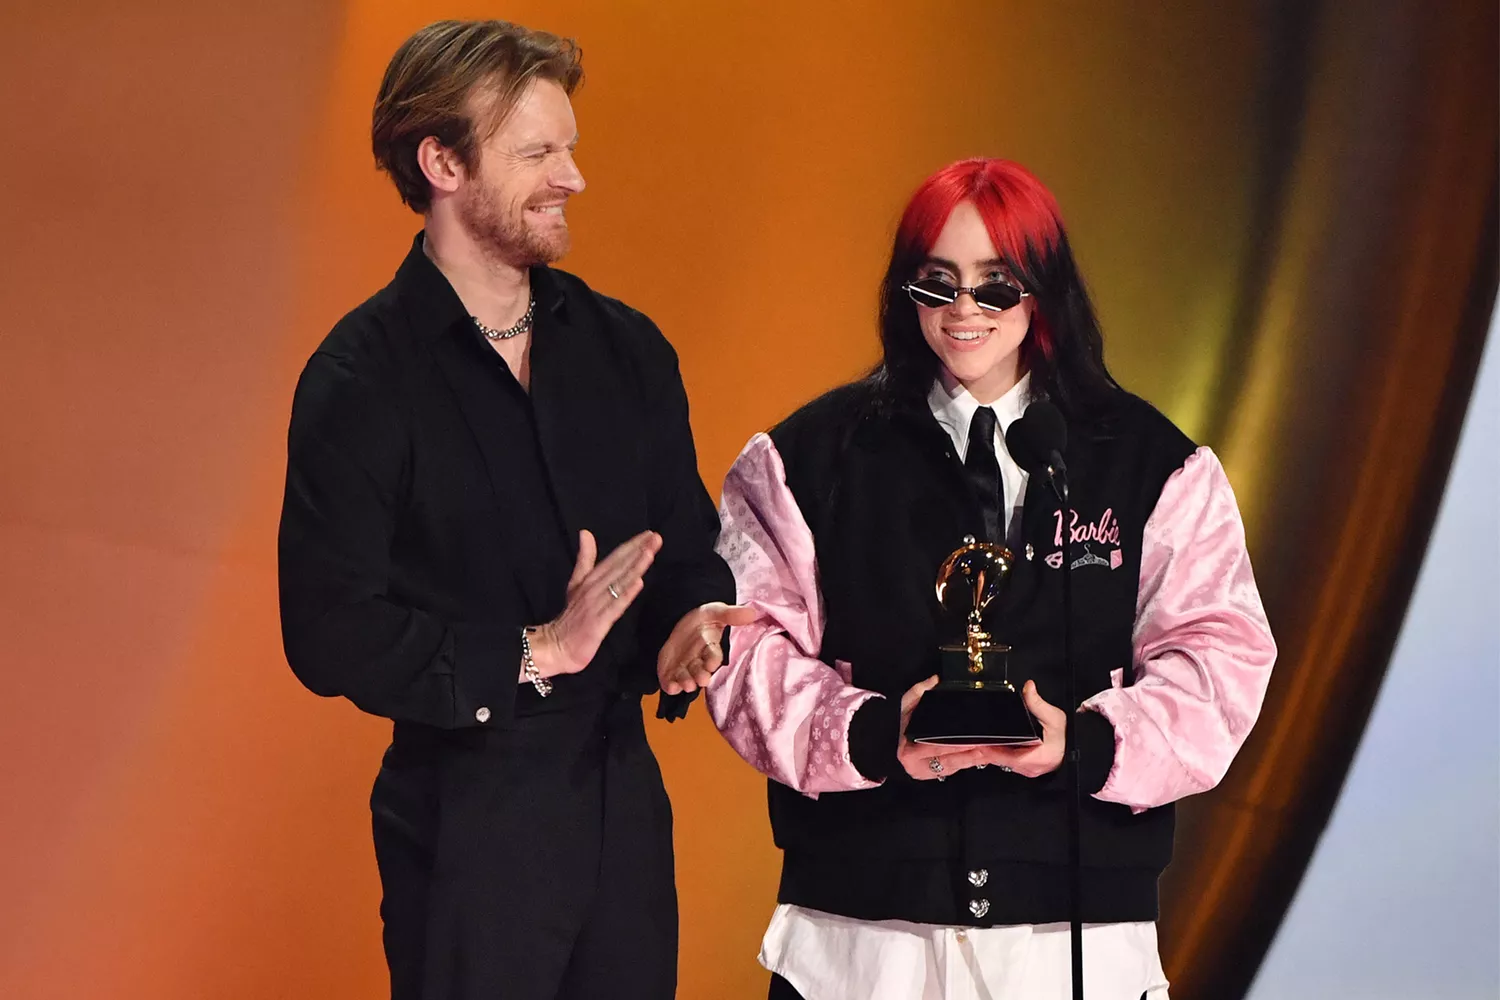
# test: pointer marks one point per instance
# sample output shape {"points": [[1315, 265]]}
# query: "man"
{"points": [[493, 521]]}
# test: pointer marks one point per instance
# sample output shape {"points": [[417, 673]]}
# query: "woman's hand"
{"points": [[1041, 758], [695, 649], [930, 762]]}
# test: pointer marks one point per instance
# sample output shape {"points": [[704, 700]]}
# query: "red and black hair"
{"points": [[1063, 350]]}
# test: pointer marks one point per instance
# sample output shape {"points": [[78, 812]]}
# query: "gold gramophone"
{"points": [[974, 702]]}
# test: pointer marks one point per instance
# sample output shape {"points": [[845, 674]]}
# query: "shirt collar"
{"points": [[435, 306], [953, 406]]}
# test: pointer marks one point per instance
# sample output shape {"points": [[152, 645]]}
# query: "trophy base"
{"points": [[953, 716]]}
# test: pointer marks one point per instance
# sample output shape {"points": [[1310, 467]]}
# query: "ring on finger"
{"points": [[613, 592]]}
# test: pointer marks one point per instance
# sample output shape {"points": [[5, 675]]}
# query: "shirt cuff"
{"points": [[486, 665]]}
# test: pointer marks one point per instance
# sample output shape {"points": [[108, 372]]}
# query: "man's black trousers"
{"points": [[530, 862]]}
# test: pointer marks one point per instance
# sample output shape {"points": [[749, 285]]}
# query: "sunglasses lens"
{"points": [[931, 292], [997, 295]]}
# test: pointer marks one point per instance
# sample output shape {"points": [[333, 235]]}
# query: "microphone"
{"points": [[1036, 441]]}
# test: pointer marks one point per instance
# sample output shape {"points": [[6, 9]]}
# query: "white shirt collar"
{"points": [[954, 407]]}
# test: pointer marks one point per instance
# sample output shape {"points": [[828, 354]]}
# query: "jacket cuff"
{"points": [[873, 735], [486, 663], [674, 706], [1096, 750]]}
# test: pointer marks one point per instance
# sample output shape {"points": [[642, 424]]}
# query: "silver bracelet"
{"points": [[528, 666]]}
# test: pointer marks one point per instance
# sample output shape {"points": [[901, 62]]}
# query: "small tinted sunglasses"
{"points": [[996, 296]]}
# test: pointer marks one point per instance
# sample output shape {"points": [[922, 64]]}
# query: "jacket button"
{"points": [[979, 877], [979, 907], [483, 715]]}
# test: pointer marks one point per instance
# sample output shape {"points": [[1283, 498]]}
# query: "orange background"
{"points": [[189, 203]]}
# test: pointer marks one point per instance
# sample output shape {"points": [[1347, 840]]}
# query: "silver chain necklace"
{"points": [[522, 325]]}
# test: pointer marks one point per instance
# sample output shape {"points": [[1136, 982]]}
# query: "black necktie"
{"points": [[984, 472]]}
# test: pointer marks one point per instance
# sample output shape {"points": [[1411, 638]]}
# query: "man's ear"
{"points": [[440, 165]]}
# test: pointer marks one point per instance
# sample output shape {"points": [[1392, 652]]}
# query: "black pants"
{"points": [[531, 863], [782, 990]]}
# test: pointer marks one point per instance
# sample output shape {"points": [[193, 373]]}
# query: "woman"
{"points": [[914, 871]]}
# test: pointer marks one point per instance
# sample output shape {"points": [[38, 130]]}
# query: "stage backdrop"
{"points": [[1286, 211]]}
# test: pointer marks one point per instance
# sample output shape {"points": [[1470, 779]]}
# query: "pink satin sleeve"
{"points": [[1203, 649], [781, 708]]}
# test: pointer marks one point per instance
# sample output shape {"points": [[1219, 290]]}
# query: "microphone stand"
{"points": [[1057, 478]]}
